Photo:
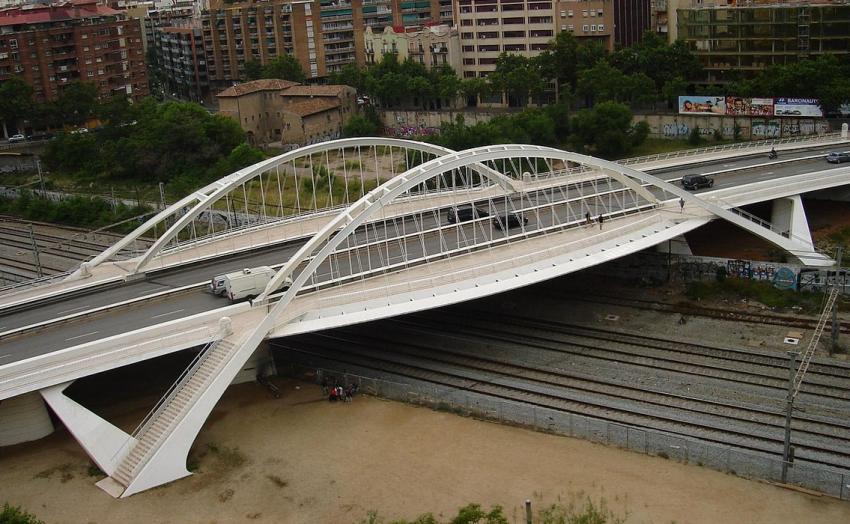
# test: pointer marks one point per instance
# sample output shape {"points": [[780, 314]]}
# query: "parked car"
{"points": [[509, 220], [41, 135], [838, 157], [17, 138], [465, 213], [693, 182]]}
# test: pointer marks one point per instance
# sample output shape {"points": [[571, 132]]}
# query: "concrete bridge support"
{"points": [[790, 217], [23, 419]]}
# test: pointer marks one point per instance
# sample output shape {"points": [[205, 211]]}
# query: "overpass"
{"points": [[381, 249]]}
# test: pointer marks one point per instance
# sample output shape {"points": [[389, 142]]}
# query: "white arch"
{"points": [[208, 195], [349, 220]]}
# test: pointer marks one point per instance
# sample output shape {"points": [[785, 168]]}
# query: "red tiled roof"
{"points": [[311, 106], [328, 90], [38, 13], [265, 84]]}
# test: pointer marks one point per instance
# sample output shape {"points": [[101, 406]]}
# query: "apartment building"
{"points": [[53, 45], [591, 20], [731, 39], [632, 18], [491, 27], [181, 57], [431, 46]]}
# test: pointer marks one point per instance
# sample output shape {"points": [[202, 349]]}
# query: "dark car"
{"points": [[692, 182], [836, 157], [40, 135], [509, 220], [466, 213]]}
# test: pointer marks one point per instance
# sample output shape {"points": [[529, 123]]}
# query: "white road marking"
{"points": [[72, 309], [81, 336], [6, 356], [169, 313]]}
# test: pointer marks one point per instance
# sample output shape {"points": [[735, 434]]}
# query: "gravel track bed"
{"points": [[368, 362], [613, 347]]}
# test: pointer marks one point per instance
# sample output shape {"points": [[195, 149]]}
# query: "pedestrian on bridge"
{"points": [[601, 218], [681, 205], [588, 220]]}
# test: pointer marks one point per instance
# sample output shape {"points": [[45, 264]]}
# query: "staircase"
{"points": [[171, 409]]}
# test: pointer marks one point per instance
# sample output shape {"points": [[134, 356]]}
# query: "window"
{"points": [[563, 14], [585, 28], [13, 43], [90, 74], [584, 13], [593, 28], [570, 13], [602, 27]]}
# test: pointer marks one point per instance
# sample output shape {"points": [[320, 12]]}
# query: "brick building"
{"points": [[51, 46], [272, 110]]}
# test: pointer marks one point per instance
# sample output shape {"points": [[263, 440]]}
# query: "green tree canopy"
{"points": [[77, 103], [16, 101], [284, 67], [518, 76], [606, 129]]}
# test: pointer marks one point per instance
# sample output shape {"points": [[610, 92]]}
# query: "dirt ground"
{"points": [[301, 459]]}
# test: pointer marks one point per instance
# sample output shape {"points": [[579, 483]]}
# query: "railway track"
{"points": [[554, 390], [825, 381], [692, 310]]}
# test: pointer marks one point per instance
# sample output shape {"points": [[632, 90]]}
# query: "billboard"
{"points": [[742, 106], [797, 107], [702, 105]]}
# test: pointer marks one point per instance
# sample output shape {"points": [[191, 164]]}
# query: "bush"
{"points": [[694, 138], [15, 515]]}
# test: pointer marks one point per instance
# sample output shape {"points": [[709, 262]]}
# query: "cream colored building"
{"points": [[491, 27], [271, 110], [430, 46]]}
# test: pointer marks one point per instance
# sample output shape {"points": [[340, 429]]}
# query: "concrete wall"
{"points": [[680, 126], [409, 123]]}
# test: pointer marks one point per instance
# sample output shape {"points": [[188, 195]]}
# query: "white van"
{"points": [[247, 283]]}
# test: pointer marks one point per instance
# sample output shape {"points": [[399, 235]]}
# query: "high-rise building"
{"points": [[53, 45], [632, 18], [182, 62], [730, 39], [587, 20], [491, 27]]}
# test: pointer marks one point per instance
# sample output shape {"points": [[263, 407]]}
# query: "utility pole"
{"points": [[787, 457], [835, 327], [40, 175], [162, 195], [36, 253]]}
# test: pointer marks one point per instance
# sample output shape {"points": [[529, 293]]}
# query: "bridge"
{"points": [[359, 228]]}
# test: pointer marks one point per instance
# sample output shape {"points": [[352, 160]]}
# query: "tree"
{"points": [[606, 129], [359, 125], [284, 67], [253, 70], [602, 83], [474, 88], [518, 77], [77, 103], [16, 102], [657, 59], [672, 89]]}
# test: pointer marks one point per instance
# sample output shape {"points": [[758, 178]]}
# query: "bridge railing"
{"points": [[738, 146]]}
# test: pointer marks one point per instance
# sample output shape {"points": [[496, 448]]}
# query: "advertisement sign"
{"points": [[737, 106], [797, 107], [761, 107], [702, 105]]}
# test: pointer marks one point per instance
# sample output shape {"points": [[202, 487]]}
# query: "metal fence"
{"points": [[743, 463]]}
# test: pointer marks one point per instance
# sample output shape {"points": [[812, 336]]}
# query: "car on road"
{"points": [[17, 138], [838, 157], [465, 213], [505, 221], [693, 182]]}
